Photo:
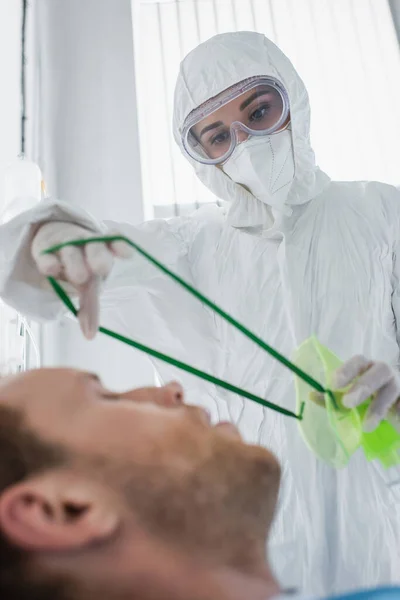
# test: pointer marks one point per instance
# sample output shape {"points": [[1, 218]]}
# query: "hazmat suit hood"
{"points": [[216, 65]]}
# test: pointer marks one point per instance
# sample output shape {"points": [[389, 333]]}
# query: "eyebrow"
{"points": [[92, 376], [209, 127], [250, 99]]}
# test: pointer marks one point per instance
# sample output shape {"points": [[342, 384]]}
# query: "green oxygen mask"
{"points": [[330, 430]]}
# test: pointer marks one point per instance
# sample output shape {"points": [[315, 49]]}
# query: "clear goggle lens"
{"points": [[258, 107]]}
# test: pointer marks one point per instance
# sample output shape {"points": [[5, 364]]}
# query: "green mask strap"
{"points": [[185, 367]]}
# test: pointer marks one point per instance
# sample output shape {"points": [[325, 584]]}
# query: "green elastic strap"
{"points": [[185, 367]]}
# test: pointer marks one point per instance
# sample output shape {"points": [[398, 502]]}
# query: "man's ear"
{"points": [[57, 511]]}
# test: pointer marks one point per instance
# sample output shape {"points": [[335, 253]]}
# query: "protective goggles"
{"points": [[255, 106]]}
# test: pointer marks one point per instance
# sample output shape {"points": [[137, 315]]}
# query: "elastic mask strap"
{"points": [[172, 361]]}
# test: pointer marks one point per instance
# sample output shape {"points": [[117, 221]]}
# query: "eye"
{"points": [[99, 391], [260, 113], [110, 396], [220, 138]]}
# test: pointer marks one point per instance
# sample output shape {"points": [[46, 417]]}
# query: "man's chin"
{"points": [[229, 431], [225, 428]]}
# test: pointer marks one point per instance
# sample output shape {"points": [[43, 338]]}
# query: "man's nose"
{"points": [[171, 394]]}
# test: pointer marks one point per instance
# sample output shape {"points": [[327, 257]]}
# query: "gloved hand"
{"points": [[83, 267], [373, 379]]}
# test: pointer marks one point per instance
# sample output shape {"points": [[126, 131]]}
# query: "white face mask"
{"points": [[265, 166]]}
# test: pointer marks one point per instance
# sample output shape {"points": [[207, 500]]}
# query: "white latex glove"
{"points": [[82, 267], [373, 379]]}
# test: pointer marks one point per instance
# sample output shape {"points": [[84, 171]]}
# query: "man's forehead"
{"points": [[17, 389]]}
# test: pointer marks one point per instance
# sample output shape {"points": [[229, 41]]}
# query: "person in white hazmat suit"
{"points": [[291, 255]]}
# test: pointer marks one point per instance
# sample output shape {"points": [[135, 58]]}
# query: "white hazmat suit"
{"points": [[325, 262]]}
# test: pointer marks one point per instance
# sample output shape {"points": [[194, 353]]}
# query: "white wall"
{"points": [[88, 147], [10, 108]]}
